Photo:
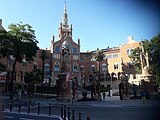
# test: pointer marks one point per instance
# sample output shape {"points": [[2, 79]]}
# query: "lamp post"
{"points": [[93, 68], [11, 62], [24, 63], [121, 87], [82, 74], [70, 91]]}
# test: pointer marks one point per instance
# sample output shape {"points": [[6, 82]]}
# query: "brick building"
{"points": [[116, 61], [83, 67], [65, 36]]}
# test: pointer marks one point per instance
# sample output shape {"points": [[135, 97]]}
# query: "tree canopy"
{"points": [[19, 41], [99, 56], [152, 47], [34, 77]]}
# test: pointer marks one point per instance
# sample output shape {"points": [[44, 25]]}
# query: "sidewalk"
{"points": [[112, 101]]}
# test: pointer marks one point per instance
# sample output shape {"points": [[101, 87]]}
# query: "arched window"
{"points": [[75, 51], [129, 51], [57, 49], [104, 67], [56, 67], [75, 67], [46, 67]]}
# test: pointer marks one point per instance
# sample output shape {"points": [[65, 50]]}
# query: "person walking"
{"points": [[143, 97], [104, 95]]}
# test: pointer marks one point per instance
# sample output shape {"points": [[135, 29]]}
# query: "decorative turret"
{"points": [[53, 39], [78, 41], [64, 29], [65, 17], [1, 28]]}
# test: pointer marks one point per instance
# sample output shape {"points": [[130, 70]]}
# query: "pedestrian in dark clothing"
{"points": [[104, 95]]}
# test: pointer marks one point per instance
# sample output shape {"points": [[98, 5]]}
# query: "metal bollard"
{"points": [[73, 116], [64, 112], [29, 108], [38, 108], [19, 110], [49, 109], [80, 116], [10, 107], [88, 118], [61, 110], [68, 113]]}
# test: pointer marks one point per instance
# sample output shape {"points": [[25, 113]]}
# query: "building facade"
{"points": [[65, 37], [116, 61], [83, 67]]}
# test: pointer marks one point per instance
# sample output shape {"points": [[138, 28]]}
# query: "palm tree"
{"points": [[32, 78], [43, 57], [99, 56]]}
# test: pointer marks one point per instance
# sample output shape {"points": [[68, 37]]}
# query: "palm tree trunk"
{"points": [[99, 81]]}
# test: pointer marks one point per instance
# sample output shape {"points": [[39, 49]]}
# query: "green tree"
{"points": [[135, 59], [43, 57], [32, 78], [155, 58], [153, 49], [38, 76], [98, 56], [19, 41]]}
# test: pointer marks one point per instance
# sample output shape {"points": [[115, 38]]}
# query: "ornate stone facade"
{"points": [[115, 62]]}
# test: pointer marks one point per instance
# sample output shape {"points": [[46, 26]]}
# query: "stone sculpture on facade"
{"points": [[144, 65], [147, 85], [64, 91], [65, 57]]}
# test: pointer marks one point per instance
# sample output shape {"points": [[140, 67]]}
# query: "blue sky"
{"points": [[98, 23]]}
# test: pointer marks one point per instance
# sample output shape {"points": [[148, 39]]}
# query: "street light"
{"points": [[11, 62], [24, 63], [93, 91]]}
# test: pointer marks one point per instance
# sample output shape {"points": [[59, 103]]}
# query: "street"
{"points": [[95, 112], [24, 116], [118, 113]]}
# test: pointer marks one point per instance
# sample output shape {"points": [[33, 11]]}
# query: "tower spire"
{"points": [[65, 16], [65, 11]]}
